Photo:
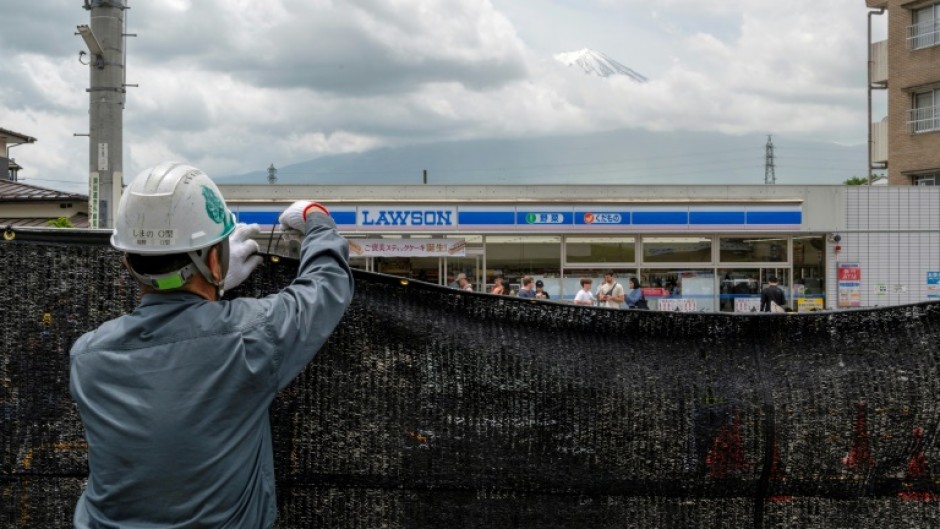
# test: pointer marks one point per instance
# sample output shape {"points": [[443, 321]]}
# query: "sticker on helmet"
{"points": [[214, 206]]}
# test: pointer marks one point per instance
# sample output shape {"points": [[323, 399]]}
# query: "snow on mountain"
{"points": [[596, 63]]}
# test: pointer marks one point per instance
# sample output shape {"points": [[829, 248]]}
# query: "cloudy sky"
{"points": [[233, 85]]}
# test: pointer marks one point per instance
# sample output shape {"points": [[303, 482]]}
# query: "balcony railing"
{"points": [[923, 34], [879, 63], [925, 119], [879, 136]]}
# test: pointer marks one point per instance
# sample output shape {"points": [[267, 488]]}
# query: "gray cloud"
{"points": [[234, 85], [351, 48]]}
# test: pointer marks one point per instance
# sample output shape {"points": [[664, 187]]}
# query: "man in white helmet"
{"points": [[174, 396]]}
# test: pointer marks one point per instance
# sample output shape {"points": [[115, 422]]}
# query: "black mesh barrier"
{"points": [[433, 408]]}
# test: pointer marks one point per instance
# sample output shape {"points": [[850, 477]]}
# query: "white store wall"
{"points": [[893, 233]]}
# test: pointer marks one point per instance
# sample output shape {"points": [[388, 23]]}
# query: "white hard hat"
{"points": [[172, 208]]}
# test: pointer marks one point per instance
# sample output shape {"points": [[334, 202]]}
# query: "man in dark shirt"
{"points": [[772, 293]]}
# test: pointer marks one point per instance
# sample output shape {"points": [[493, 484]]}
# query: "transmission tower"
{"points": [[272, 174], [769, 176]]}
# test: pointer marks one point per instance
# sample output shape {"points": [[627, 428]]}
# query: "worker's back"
{"points": [[174, 397], [175, 400]]}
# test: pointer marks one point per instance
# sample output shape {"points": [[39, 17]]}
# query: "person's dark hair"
{"points": [[586, 281], [608, 272], [773, 279], [157, 264], [635, 282]]}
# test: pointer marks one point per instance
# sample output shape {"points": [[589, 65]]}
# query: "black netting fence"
{"points": [[433, 408]]}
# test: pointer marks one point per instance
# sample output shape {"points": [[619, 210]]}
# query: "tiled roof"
{"points": [[20, 192], [79, 220], [16, 136]]}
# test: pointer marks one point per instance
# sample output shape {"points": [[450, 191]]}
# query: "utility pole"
{"points": [[769, 175], [104, 37]]}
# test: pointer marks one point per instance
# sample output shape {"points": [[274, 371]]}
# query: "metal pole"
{"points": [[106, 108]]}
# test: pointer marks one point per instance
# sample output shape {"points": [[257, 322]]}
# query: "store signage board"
{"points": [[850, 284], [407, 247], [809, 304], [933, 285], [747, 304], [677, 305]]}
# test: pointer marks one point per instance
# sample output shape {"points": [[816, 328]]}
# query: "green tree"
{"points": [[857, 181], [61, 222]]}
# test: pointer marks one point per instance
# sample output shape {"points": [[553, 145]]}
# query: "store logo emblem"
{"points": [[406, 217], [603, 218], [545, 218]]}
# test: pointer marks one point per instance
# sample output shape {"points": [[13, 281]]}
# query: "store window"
{"points": [[739, 289], [599, 250], [514, 256], [809, 273], [752, 250], [681, 289], [571, 283], [677, 250]]}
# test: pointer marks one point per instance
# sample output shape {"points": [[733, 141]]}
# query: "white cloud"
{"points": [[233, 85]]}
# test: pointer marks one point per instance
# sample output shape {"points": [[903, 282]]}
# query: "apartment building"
{"points": [[907, 65]]}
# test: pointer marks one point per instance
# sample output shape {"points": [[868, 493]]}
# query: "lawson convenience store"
{"points": [[706, 248]]}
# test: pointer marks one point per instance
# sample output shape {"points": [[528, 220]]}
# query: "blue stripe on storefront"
{"points": [[270, 217], [775, 217], [716, 217], [258, 217], [660, 217], [344, 217], [490, 218]]}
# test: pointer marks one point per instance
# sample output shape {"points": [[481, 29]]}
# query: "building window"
{"points": [[925, 31], [927, 180], [753, 250], [677, 250], [925, 114]]}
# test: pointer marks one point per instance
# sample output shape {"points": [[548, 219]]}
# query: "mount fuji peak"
{"points": [[596, 63]]}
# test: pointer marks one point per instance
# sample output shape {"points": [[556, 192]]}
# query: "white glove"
{"points": [[243, 255], [293, 217]]}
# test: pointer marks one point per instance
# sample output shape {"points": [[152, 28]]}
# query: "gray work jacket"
{"points": [[174, 396]]}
